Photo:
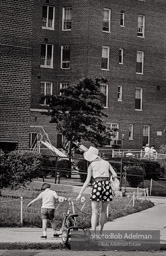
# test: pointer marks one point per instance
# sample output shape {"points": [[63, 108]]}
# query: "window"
{"points": [[119, 93], [48, 17], [120, 56], [122, 18], [46, 56], [138, 99], [105, 58], [104, 99], [140, 62], [131, 131], [146, 135], [63, 86], [106, 20], [114, 127], [33, 138], [66, 19], [46, 90], [65, 57], [141, 26]]}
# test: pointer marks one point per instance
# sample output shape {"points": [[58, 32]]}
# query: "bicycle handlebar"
{"points": [[63, 199]]}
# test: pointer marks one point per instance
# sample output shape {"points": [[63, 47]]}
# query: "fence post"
{"points": [[21, 211], [150, 191], [133, 199], [137, 192]]}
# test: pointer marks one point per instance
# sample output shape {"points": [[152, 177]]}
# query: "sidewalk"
{"points": [[150, 219]]}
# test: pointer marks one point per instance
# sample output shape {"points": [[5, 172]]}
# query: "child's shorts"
{"points": [[101, 191], [47, 213]]}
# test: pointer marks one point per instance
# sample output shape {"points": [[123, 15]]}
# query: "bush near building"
{"points": [[17, 168], [152, 169], [135, 175]]}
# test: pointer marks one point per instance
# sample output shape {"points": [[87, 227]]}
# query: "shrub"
{"points": [[135, 175], [64, 168], [82, 166], [18, 168], [152, 169]]}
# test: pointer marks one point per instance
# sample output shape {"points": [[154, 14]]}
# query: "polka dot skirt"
{"points": [[101, 191]]}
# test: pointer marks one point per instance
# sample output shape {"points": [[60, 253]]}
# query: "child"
{"points": [[48, 198]]}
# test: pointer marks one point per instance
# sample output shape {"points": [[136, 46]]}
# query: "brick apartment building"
{"points": [[15, 73], [122, 40]]}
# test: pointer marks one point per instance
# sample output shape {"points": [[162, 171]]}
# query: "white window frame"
{"points": [[141, 26], [47, 18], [122, 18], [142, 62], [109, 20], [46, 65], [138, 96], [44, 93], [63, 86], [121, 56], [62, 61], [108, 56], [131, 131], [120, 93], [146, 132], [106, 93], [64, 9]]}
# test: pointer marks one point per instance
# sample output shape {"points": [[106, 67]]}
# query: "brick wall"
{"points": [[15, 70], [86, 40]]}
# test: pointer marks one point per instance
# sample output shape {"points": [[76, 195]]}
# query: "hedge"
{"points": [[17, 168]]}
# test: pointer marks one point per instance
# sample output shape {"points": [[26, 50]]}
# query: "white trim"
{"points": [[53, 20], [122, 17], [121, 55], [63, 20], [142, 61], [108, 57], [143, 27], [46, 59], [38, 110], [120, 93], [63, 62], [109, 21], [141, 100]]}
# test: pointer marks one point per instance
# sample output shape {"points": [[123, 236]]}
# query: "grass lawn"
{"points": [[10, 208]]}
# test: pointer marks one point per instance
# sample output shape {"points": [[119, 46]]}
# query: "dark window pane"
{"points": [[137, 104], [50, 13], [44, 13], [104, 63]]}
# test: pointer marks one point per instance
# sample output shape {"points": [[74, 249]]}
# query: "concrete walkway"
{"points": [[150, 219]]}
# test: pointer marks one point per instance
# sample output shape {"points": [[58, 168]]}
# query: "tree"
{"points": [[78, 113]]}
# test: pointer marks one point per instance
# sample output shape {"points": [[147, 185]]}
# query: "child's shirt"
{"points": [[48, 198]]}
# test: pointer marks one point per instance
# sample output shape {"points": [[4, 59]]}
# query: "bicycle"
{"points": [[70, 221]]}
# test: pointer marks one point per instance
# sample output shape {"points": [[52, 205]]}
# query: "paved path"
{"points": [[151, 219]]}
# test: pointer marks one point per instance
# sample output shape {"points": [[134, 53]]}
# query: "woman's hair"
{"points": [[45, 185]]}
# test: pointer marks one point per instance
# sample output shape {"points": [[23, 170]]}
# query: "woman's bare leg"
{"points": [[103, 215], [94, 217]]}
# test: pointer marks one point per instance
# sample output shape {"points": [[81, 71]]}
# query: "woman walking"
{"points": [[100, 170]]}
